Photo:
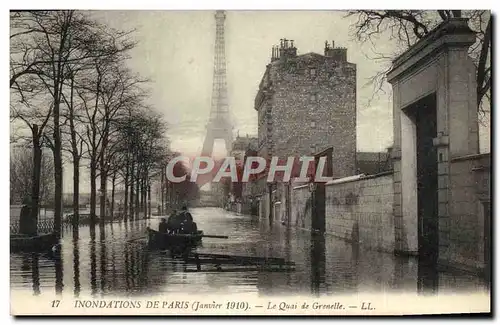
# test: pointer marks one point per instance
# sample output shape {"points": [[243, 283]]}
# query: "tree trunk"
{"points": [[132, 214], [58, 171], [125, 203], [104, 176], [162, 197], [76, 190], [32, 222], [76, 163], [137, 188], [58, 189], [149, 201], [171, 194], [93, 191], [102, 199], [146, 214], [143, 201], [113, 183]]}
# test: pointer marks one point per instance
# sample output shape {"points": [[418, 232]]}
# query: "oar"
{"points": [[182, 235], [215, 236], [133, 239], [196, 235]]}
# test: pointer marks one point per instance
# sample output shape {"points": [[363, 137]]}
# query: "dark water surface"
{"points": [[112, 263]]}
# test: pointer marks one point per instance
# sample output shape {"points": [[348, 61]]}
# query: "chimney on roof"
{"points": [[287, 50], [338, 54]]}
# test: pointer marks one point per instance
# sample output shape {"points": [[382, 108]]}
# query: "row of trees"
{"points": [[72, 92]]}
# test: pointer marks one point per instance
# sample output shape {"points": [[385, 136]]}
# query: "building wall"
{"points": [[311, 112], [361, 211], [469, 220], [357, 210], [306, 104]]}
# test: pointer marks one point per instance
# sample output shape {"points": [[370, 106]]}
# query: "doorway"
{"points": [[423, 114], [319, 193]]}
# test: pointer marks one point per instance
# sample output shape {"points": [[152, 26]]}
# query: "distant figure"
{"points": [[163, 228]]}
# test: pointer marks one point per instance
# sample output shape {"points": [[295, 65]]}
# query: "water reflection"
{"points": [[318, 259], [35, 274], [58, 265], [76, 266], [102, 243], [117, 264], [428, 277], [93, 263]]}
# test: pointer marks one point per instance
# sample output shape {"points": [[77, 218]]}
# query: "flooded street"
{"points": [[118, 263]]}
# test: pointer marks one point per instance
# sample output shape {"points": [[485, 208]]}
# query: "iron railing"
{"points": [[44, 225]]}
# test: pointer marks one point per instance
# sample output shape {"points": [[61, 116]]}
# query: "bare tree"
{"points": [[26, 99], [21, 176], [406, 27]]}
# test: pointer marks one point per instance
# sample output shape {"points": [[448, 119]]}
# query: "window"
{"points": [[313, 124], [312, 72], [313, 97]]}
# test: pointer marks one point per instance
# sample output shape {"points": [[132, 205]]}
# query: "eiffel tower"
{"points": [[219, 125]]}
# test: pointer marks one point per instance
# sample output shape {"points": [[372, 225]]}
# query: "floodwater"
{"points": [[116, 262]]}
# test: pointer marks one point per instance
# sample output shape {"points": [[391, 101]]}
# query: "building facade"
{"points": [[307, 103], [241, 146]]}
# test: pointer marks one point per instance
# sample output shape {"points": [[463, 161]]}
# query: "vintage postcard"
{"points": [[231, 162]]}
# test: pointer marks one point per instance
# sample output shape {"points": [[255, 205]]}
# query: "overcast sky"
{"points": [[176, 50]]}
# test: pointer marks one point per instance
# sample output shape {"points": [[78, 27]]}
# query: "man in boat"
{"points": [[188, 226], [163, 228], [174, 222]]}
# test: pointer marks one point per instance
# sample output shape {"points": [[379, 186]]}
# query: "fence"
{"points": [[44, 225]]}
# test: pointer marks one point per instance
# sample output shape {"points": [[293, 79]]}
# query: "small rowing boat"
{"points": [[163, 241], [38, 243]]}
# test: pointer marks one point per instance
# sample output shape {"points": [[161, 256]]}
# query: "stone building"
{"points": [[241, 146], [307, 103]]}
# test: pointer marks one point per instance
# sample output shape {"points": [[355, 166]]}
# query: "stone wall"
{"points": [[469, 225], [357, 210], [360, 211]]}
